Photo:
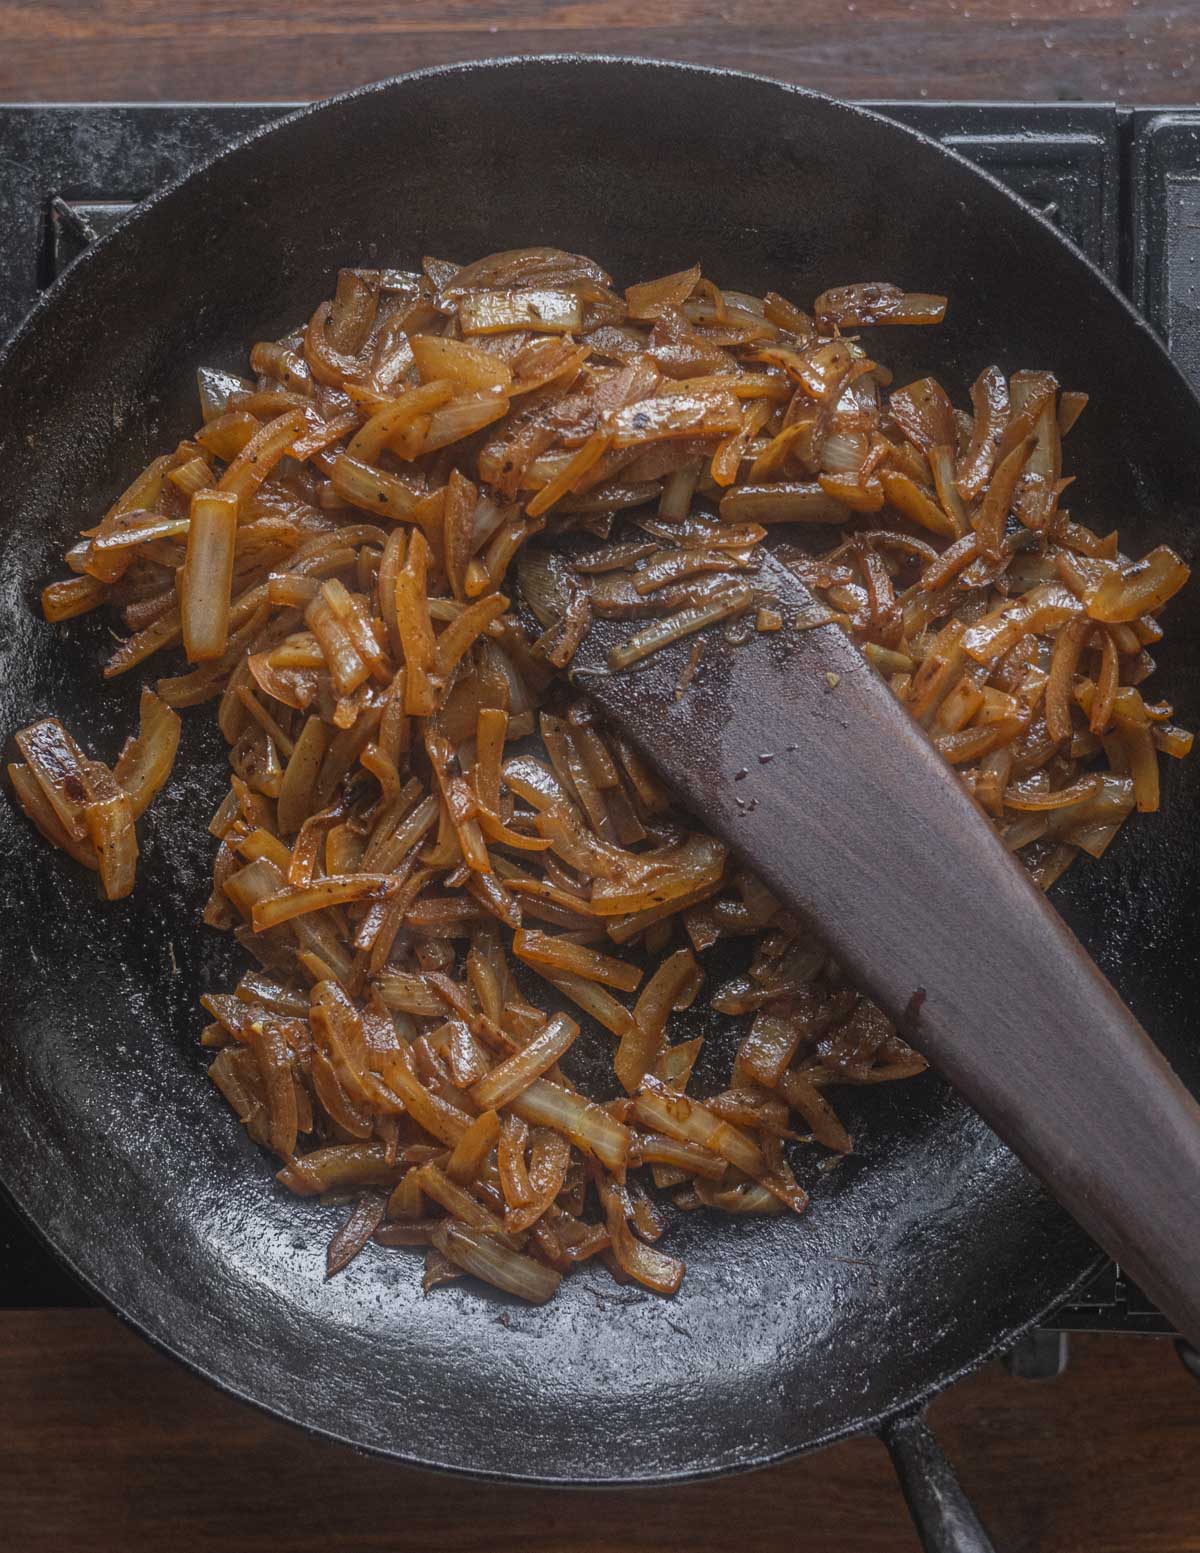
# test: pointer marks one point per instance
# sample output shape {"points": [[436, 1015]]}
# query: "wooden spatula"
{"points": [[794, 751]]}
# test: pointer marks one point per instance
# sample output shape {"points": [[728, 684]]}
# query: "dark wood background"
{"points": [[1142, 51], [109, 1448], [104, 1444]]}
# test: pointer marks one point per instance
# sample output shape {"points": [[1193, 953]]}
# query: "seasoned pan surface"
{"points": [[923, 1252]]}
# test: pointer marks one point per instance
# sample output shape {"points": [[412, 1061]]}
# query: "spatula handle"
{"points": [[799, 756]]}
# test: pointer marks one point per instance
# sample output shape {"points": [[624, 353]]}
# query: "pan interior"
{"points": [[920, 1252]]}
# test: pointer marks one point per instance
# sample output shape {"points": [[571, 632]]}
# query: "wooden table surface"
{"points": [[1137, 51], [107, 1447], [105, 1444]]}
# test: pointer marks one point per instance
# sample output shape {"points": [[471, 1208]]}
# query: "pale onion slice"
{"points": [[206, 578]]}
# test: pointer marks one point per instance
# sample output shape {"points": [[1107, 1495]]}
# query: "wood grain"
{"points": [[1131, 51], [107, 1445]]}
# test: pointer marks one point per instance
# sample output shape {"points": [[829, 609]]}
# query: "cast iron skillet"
{"points": [[928, 1250]]}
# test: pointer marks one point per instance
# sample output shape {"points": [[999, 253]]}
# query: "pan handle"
{"points": [[941, 1512]]}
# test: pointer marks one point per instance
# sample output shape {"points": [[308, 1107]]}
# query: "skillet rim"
{"points": [[604, 64]]}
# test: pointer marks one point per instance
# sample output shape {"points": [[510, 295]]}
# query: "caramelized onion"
{"points": [[431, 843]]}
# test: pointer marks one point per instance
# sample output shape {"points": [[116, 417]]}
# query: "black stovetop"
{"points": [[1124, 185]]}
